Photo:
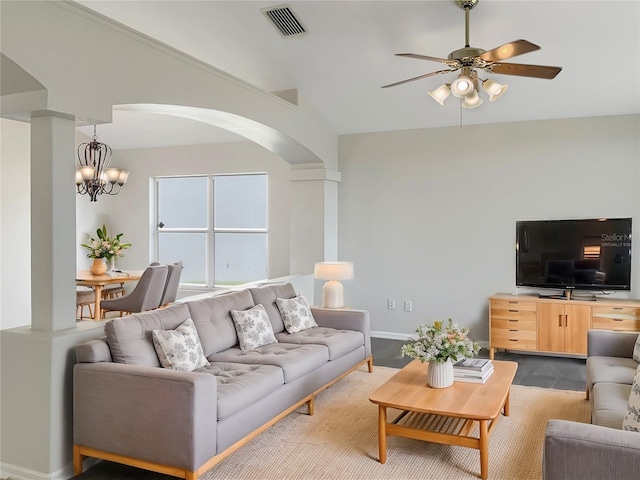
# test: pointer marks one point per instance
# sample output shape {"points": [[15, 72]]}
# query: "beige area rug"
{"points": [[340, 440]]}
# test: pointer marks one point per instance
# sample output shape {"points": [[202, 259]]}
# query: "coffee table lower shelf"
{"points": [[443, 429]]}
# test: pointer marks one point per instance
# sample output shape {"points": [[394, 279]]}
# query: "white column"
{"points": [[313, 217], [53, 222]]}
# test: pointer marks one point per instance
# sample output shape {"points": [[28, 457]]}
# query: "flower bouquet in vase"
{"points": [[439, 344], [106, 248]]}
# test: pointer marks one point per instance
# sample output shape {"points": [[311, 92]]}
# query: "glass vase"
{"points": [[440, 375]]}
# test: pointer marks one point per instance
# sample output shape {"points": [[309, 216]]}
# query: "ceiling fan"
{"points": [[471, 59]]}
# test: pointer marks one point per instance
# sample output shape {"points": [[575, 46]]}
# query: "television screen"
{"points": [[574, 254]]}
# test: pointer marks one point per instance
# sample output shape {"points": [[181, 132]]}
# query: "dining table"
{"points": [[85, 278]]}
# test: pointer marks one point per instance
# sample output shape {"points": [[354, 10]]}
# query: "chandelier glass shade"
{"points": [[94, 176], [441, 93]]}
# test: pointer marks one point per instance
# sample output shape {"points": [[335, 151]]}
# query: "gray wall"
{"points": [[429, 215]]}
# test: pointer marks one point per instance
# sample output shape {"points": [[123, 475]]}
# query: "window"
{"points": [[216, 225]]}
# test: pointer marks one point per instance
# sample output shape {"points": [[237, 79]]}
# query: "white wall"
{"points": [[128, 212], [15, 228], [429, 215]]}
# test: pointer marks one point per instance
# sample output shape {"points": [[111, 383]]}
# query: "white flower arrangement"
{"points": [[439, 342]]}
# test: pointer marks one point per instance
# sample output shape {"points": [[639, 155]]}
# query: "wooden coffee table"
{"points": [[448, 415]]}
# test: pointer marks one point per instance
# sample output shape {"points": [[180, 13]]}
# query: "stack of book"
{"points": [[474, 370]]}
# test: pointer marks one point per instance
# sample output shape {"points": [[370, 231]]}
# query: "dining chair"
{"points": [[171, 285], [84, 298], [113, 292], [145, 296]]}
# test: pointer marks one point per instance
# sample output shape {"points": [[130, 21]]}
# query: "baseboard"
{"points": [[393, 335], [407, 337], [14, 472]]}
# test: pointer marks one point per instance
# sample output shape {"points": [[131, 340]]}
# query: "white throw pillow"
{"points": [[632, 418], [295, 313], [180, 349], [636, 350], [253, 327]]}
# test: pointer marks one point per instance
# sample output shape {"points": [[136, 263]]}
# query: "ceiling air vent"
{"points": [[283, 18]]}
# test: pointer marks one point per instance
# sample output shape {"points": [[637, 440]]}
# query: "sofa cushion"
{"points": [[179, 349], [295, 360], [632, 417], [296, 314], [610, 404], [241, 385], [212, 318], [266, 296], [636, 350], [339, 342], [611, 369], [129, 338], [253, 328]]}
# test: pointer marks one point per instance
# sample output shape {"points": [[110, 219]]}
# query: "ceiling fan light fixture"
{"points": [[472, 100], [440, 94], [462, 86], [494, 89]]}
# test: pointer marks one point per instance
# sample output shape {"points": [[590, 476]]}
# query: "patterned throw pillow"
{"points": [[636, 350], [253, 328], [180, 349], [295, 313], [632, 418]]}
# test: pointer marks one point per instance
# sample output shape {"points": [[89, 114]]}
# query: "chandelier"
{"points": [[93, 176]]}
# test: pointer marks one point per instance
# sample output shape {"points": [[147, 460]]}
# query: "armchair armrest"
{"points": [[345, 319], [154, 414], [583, 451], [607, 343]]}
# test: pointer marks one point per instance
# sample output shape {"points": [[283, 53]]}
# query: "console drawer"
{"points": [[512, 314], [513, 324], [615, 318], [513, 305], [513, 343]]}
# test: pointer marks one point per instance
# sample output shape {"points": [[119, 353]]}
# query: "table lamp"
{"points": [[332, 292]]}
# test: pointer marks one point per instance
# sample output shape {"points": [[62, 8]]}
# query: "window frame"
{"points": [[210, 231]]}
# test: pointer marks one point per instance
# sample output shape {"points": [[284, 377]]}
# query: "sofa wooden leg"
{"points": [[310, 406], [77, 460], [191, 476], [370, 364]]}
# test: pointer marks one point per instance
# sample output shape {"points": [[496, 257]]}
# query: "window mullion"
{"points": [[210, 234]]}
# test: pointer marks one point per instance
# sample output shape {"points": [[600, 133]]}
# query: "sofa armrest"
{"points": [[607, 343], [574, 450], [345, 319], [149, 413]]}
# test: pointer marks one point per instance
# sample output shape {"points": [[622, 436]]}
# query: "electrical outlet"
{"points": [[391, 303], [408, 305]]}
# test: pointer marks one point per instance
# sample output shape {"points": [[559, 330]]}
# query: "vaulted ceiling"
{"points": [[347, 54]]}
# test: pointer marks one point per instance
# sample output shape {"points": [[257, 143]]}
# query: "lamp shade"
{"points": [[334, 270], [462, 86], [440, 94]]}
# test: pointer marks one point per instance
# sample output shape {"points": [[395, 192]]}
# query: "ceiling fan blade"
{"points": [[417, 78], [509, 50], [538, 71], [448, 62]]}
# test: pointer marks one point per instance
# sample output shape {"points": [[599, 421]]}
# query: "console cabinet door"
{"points": [[551, 327], [577, 324]]}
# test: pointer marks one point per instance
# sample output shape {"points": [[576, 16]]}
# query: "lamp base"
{"points": [[332, 295]]}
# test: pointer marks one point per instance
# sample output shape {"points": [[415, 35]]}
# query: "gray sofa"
{"points": [[129, 410], [601, 449]]}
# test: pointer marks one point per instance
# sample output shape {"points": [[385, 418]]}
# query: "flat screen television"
{"points": [[590, 254]]}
